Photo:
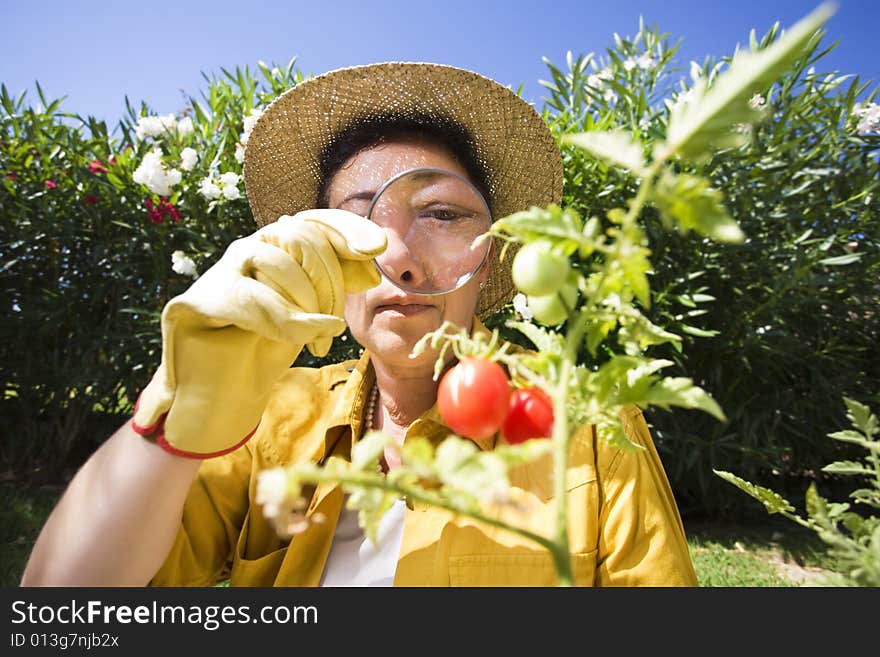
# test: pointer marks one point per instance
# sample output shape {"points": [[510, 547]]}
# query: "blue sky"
{"points": [[97, 52]]}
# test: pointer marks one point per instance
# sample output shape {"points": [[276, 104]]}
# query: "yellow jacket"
{"points": [[625, 528]]}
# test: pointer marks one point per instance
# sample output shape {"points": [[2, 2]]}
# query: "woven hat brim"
{"points": [[282, 168]]}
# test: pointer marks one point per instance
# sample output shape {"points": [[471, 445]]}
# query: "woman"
{"points": [[179, 507]]}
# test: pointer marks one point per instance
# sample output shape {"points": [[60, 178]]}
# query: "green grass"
{"points": [[768, 553], [23, 510], [775, 553]]}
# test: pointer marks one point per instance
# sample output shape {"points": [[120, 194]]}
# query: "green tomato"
{"points": [[549, 309], [537, 271]]}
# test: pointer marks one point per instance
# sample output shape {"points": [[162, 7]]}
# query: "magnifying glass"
{"points": [[433, 218]]}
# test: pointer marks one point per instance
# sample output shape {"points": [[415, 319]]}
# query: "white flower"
{"points": [[239, 153], [629, 63], [230, 178], [609, 96], [521, 305], [271, 490], [152, 173], [183, 264], [188, 158], [682, 98], [209, 190], [153, 126], [596, 79], [757, 102], [869, 117], [185, 126], [645, 61], [250, 120], [231, 192]]}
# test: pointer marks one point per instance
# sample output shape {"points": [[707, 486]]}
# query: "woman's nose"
{"points": [[399, 262]]}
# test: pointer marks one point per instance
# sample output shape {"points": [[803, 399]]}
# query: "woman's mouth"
{"points": [[405, 310]]}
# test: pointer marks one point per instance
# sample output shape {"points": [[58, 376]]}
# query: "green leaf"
{"points": [[366, 452], [841, 260], [861, 416], [817, 507], [773, 502], [848, 468], [698, 332], [689, 202], [854, 437], [704, 123], [616, 147], [545, 341], [681, 391]]}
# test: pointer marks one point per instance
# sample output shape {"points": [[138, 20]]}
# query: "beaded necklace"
{"points": [[372, 402]]}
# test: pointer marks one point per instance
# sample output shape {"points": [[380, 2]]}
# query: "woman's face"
{"points": [[385, 319]]}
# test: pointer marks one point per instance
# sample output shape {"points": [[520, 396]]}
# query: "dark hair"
{"points": [[385, 128]]}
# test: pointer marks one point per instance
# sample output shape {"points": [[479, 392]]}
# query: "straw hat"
{"points": [[510, 139]]}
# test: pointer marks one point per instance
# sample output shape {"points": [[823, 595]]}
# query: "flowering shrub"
{"points": [[99, 230], [792, 309]]}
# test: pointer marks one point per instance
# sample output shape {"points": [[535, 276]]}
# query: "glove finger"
{"points": [[309, 246], [353, 237], [283, 321], [359, 275], [275, 268]]}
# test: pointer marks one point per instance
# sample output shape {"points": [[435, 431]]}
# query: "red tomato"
{"points": [[473, 397], [530, 416]]}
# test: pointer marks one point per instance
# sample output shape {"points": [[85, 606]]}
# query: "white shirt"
{"points": [[354, 560]]}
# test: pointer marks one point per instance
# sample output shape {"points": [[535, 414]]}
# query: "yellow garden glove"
{"points": [[228, 339]]}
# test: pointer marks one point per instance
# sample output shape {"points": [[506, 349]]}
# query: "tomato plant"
{"points": [[550, 309], [530, 415], [473, 397], [537, 270]]}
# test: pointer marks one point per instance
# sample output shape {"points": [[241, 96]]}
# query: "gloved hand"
{"points": [[234, 332]]}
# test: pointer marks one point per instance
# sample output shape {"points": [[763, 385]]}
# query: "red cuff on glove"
{"points": [[155, 432]]}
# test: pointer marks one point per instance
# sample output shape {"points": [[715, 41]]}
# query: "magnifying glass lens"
{"points": [[433, 218]]}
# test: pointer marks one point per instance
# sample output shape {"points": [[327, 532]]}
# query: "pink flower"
{"points": [[11, 176], [158, 213], [96, 166], [51, 184], [90, 199]]}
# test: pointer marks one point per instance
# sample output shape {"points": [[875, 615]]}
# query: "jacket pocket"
{"points": [[517, 569], [259, 569], [257, 572]]}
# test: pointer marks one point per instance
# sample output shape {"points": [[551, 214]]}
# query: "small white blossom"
{"points": [[869, 117], [152, 173], [231, 193], [596, 79], [209, 190], [271, 491], [183, 264], [609, 96], [153, 126], [239, 153], [185, 126], [250, 120], [188, 158], [521, 305], [645, 61], [683, 98], [629, 63], [230, 178], [757, 102]]}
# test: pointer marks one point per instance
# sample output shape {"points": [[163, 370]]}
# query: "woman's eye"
{"points": [[443, 214]]}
